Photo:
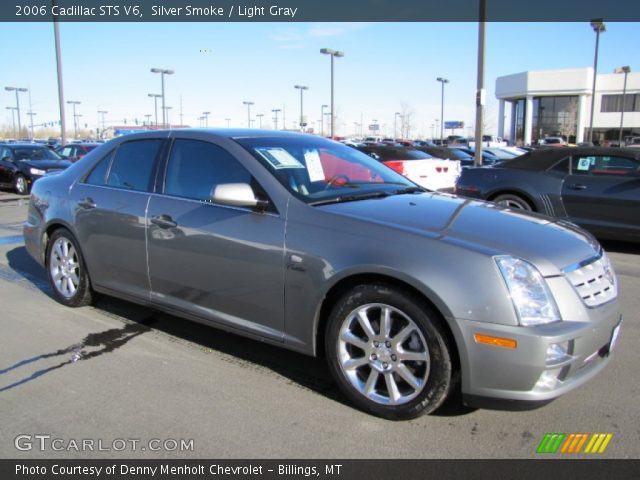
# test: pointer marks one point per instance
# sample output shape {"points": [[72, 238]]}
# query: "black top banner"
{"points": [[318, 10], [325, 469]]}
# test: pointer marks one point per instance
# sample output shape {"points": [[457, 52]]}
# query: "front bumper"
{"points": [[516, 374]]}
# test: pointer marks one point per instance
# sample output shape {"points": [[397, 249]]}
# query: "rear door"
{"points": [[216, 262], [602, 193], [110, 205]]}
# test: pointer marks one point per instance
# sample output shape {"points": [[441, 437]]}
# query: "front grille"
{"points": [[594, 282]]}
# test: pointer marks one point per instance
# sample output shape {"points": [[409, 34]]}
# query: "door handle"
{"points": [[164, 221], [87, 203], [577, 186]]}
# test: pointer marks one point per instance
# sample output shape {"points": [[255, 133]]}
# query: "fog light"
{"points": [[557, 353], [548, 380]]}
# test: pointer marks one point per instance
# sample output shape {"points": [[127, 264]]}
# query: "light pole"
{"points": [[626, 71], [333, 54], [166, 116], [63, 120], [442, 81], [75, 121], [147, 116], [206, 118], [155, 97], [395, 125], [17, 90], [302, 88], [480, 92], [275, 119], [248, 104], [260, 115], [228, 120], [13, 120], [322, 119], [102, 113], [599, 27], [31, 114], [163, 72]]}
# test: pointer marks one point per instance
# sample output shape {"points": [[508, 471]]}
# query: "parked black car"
{"points": [[23, 164], [75, 151], [597, 188]]}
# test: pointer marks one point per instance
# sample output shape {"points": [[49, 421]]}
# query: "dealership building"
{"points": [[553, 103]]}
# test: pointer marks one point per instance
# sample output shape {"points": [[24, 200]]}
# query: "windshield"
{"points": [[320, 171], [35, 153]]}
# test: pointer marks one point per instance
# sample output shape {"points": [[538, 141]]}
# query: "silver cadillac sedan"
{"points": [[312, 245]]}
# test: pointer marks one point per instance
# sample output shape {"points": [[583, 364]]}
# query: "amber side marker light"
{"points": [[495, 341]]}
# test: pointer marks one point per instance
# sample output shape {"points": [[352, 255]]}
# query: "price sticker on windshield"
{"points": [[314, 165], [279, 158]]}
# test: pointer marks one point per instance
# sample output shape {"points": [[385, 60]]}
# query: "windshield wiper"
{"points": [[402, 191], [351, 198]]}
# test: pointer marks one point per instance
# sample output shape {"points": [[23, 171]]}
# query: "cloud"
{"points": [[298, 37]]}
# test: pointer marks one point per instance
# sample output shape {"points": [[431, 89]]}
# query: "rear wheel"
{"points": [[512, 200], [388, 352], [67, 272]]}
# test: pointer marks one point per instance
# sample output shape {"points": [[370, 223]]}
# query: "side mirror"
{"points": [[237, 195]]}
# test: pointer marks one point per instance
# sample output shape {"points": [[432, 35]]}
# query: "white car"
{"points": [[430, 172]]}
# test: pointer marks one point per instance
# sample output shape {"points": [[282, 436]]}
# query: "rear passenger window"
{"points": [[196, 167], [99, 173], [600, 165], [133, 165]]}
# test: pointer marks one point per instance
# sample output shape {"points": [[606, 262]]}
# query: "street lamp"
{"points": [[333, 54], [163, 72], [13, 120], [147, 116], [302, 88], [275, 119], [102, 113], [17, 90], [228, 120], [626, 71], [166, 116], [599, 27], [322, 119], [75, 121], [248, 104], [442, 81], [395, 125], [31, 114], [206, 118], [260, 115], [155, 97]]}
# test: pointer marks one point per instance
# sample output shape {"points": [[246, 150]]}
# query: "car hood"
{"points": [[46, 164], [550, 244]]}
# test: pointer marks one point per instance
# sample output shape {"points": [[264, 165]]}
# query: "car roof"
{"points": [[27, 145], [544, 158]]}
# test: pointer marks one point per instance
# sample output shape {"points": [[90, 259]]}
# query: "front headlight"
{"points": [[529, 293], [37, 171]]}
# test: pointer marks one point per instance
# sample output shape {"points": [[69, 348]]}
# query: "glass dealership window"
{"points": [[613, 103], [555, 117]]}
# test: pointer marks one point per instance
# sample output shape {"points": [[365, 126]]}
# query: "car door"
{"points": [[110, 206], [6, 167], [216, 262], [602, 193]]}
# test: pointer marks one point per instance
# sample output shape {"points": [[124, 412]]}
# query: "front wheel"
{"points": [[388, 352], [20, 185], [66, 270]]}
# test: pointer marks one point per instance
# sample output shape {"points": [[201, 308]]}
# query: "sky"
{"points": [[387, 68]]}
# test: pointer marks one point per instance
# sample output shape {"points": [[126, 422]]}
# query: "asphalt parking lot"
{"points": [[119, 371]]}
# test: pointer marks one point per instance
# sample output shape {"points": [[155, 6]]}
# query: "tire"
{"points": [[20, 185], [67, 271], [512, 200], [400, 375]]}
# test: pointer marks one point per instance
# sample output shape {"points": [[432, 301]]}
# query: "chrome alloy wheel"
{"points": [[384, 354], [64, 267], [21, 185]]}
